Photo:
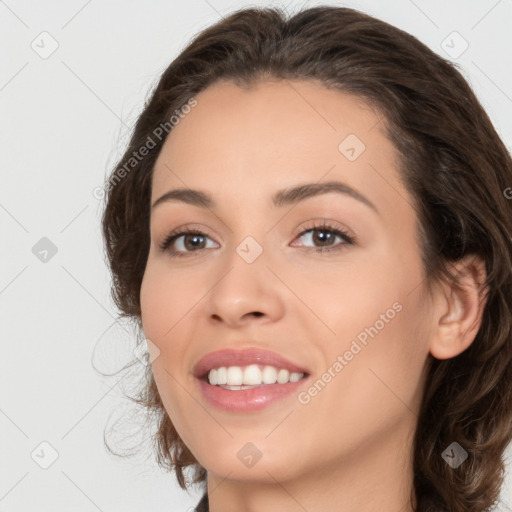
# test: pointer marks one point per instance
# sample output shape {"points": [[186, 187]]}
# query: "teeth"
{"points": [[236, 377], [294, 377], [252, 375], [269, 375], [222, 376], [284, 376]]}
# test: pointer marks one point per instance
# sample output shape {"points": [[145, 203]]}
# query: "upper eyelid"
{"points": [[322, 223], [327, 225], [314, 223]]}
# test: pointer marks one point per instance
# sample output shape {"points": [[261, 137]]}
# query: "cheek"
{"points": [[391, 349], [378, 320], [165, 312], [377, 383], [374, 292], [153, 304], [166, 298], [350, 296]]}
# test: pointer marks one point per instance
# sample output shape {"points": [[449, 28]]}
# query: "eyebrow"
{"points": [[281, 198]]}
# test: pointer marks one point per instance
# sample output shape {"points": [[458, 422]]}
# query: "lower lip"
{"points": [[248, 400]]}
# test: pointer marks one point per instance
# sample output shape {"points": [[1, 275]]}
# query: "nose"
{"points": [[245, 293]]}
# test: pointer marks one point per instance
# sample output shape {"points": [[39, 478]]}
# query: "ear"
{"points": [[459, 309]]}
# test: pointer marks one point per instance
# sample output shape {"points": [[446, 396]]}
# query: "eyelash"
{"points": [[348, 240]]}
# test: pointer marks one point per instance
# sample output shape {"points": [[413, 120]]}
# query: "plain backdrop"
{"points": [[73, 79]]}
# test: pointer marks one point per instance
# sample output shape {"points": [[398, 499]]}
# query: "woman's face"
{"points": [[276, 276]]}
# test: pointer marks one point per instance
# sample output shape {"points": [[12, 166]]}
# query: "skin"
{"points": [[349, 448]]}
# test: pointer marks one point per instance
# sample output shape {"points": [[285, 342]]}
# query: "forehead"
{"points": [[277, 134]]}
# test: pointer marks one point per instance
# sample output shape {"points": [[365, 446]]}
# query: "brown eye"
{"points": [[183, 242], [324, 238]]}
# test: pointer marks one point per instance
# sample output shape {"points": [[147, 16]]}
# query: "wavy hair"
{"points": [[452, 161]]}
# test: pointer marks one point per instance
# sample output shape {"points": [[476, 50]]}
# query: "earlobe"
{"points": [[458, 316]]}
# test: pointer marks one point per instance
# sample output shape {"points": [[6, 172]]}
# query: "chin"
{"points": [[248, 464]]}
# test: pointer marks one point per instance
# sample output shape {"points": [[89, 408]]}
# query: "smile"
{"points": [[237, 377]]}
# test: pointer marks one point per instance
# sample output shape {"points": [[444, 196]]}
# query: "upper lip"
{"points": [[243, 357]]}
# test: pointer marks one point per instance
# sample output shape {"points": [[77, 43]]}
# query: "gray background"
{"points": [[65, 119]]}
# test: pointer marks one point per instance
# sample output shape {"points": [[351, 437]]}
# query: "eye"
{"points": [[183, 241], [325, 235]]}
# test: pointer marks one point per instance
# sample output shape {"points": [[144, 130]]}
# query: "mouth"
{"points": [[242, 381], [237, 378]]}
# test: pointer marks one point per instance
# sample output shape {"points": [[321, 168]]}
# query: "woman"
{"points": [[312, 228]]}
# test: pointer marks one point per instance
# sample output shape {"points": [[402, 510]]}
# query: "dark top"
{"points": [[202, 506]]}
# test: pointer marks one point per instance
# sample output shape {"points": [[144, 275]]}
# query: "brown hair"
{"points": [[451, 160]]}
